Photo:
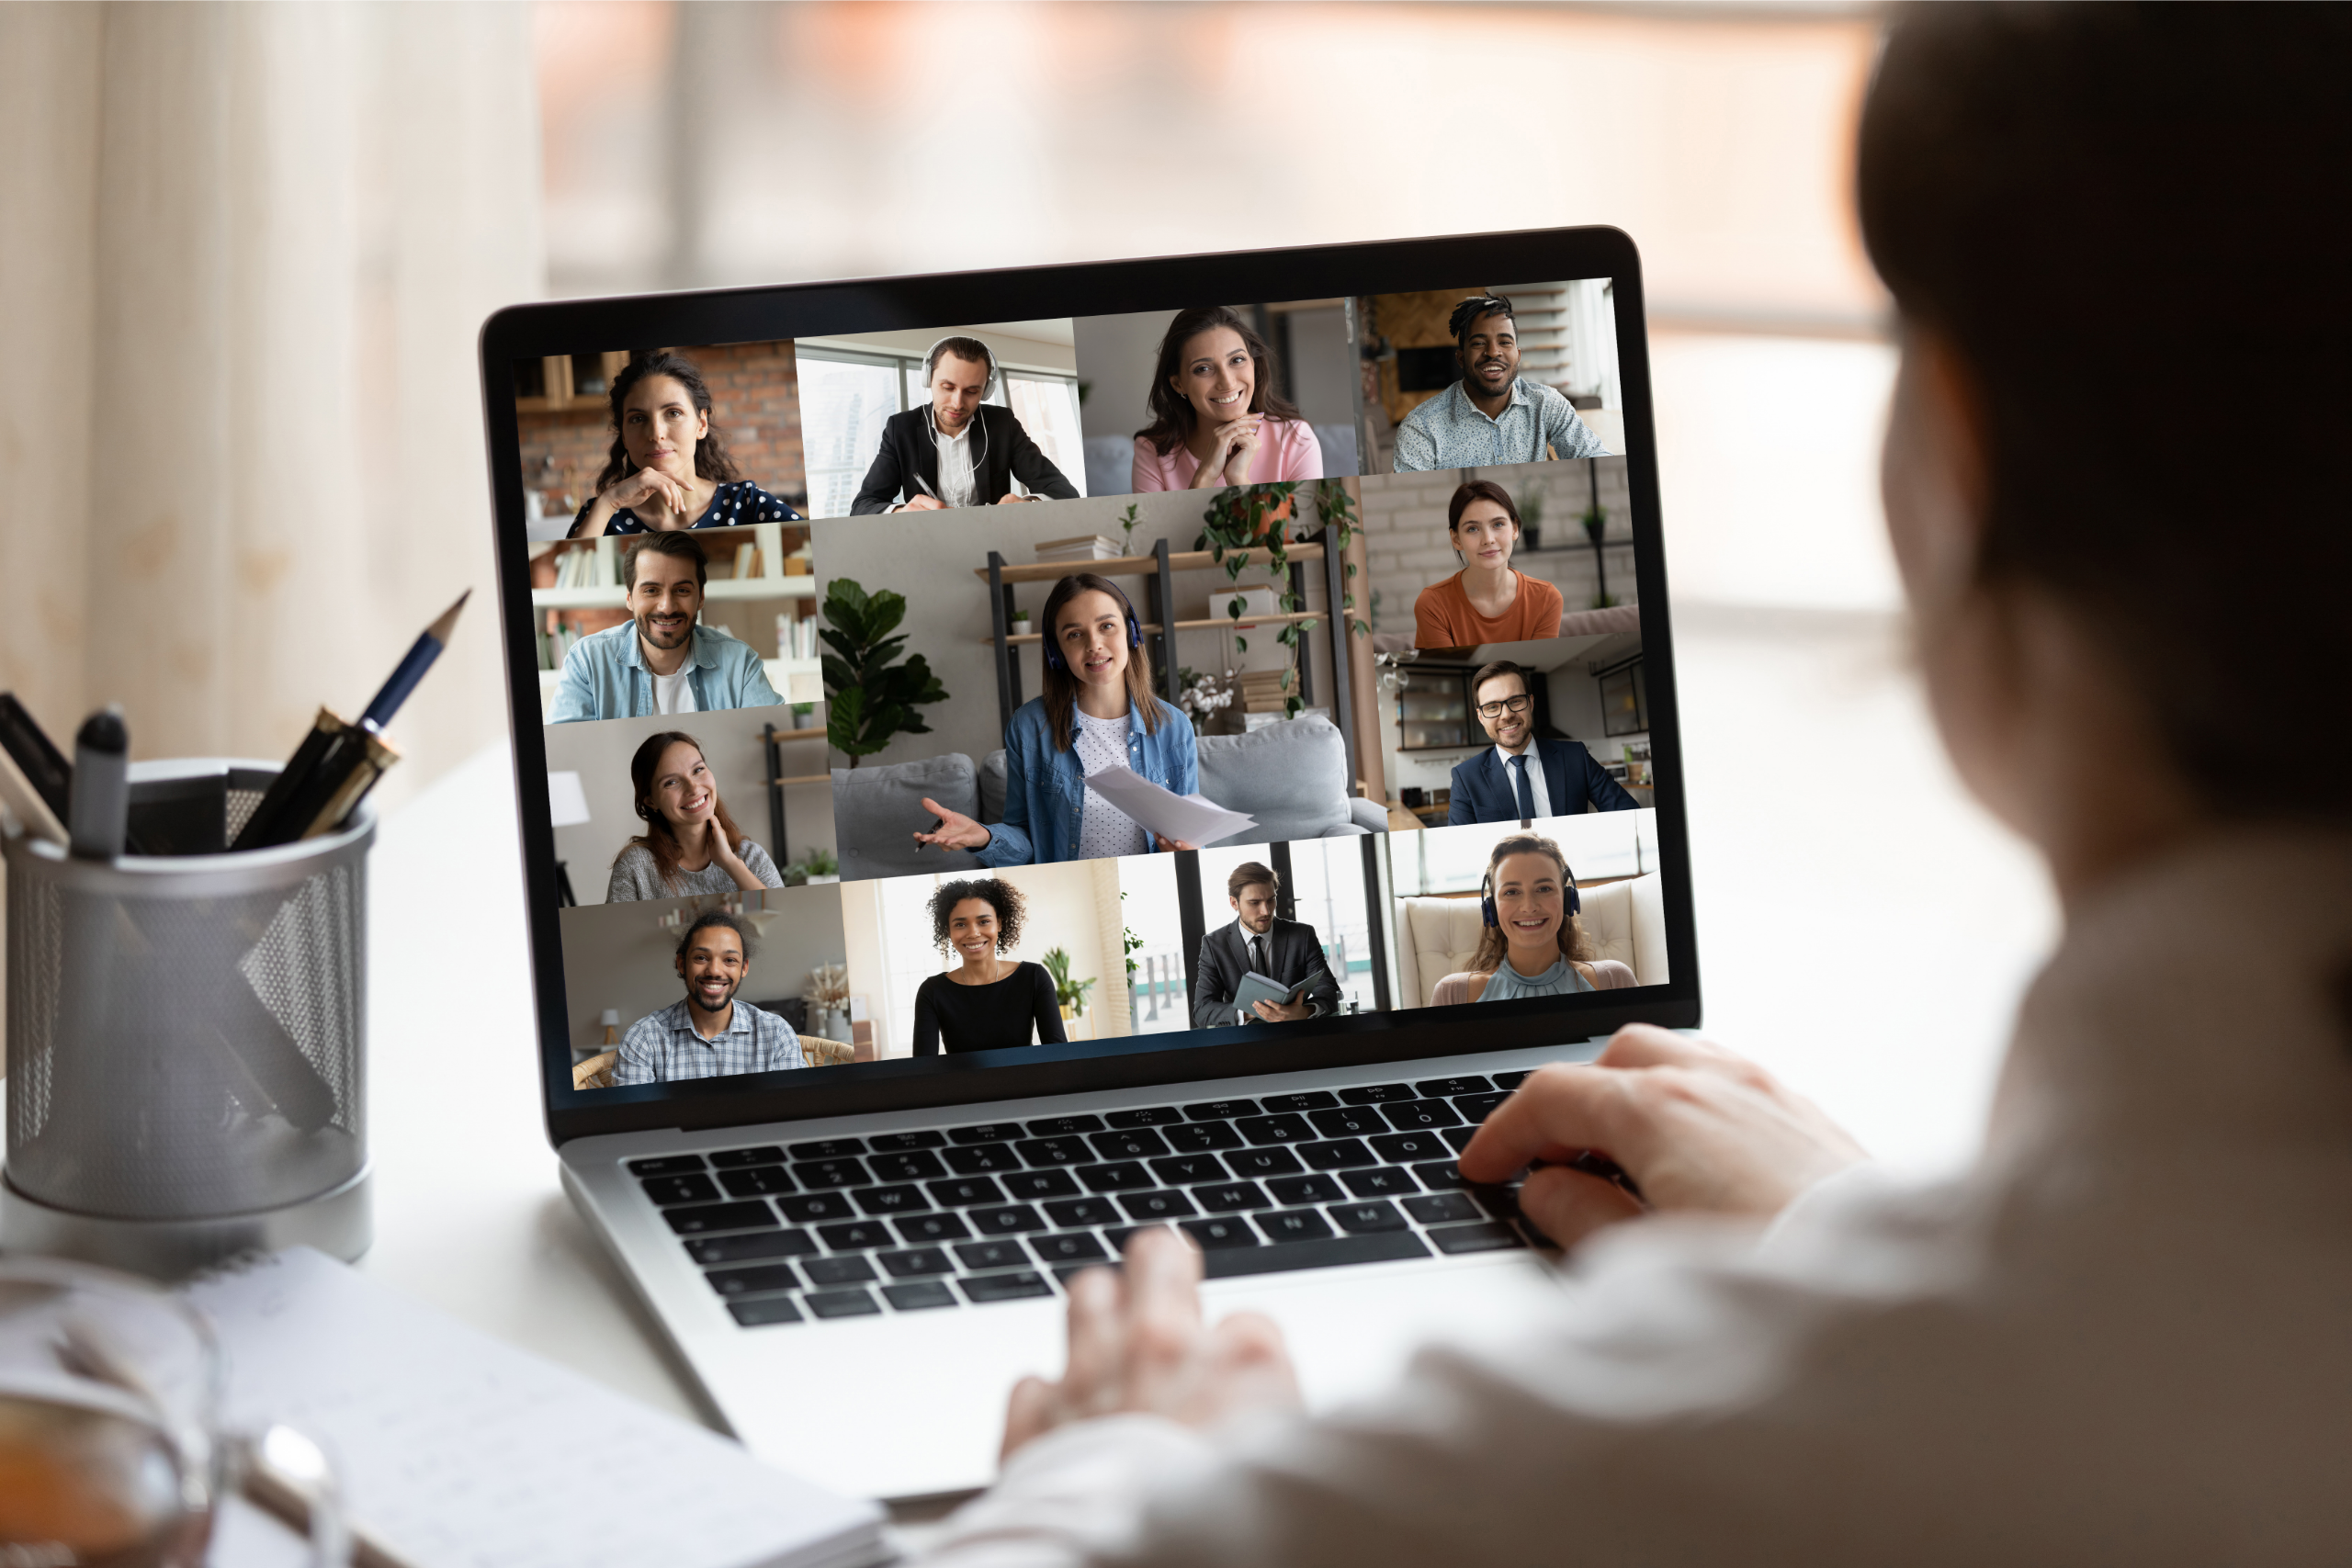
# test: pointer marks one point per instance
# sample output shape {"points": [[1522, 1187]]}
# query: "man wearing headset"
{"points": [[958, 449], [1493, 416]]}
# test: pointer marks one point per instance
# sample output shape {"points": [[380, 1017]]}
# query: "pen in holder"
{"points": [[187, 1035]]}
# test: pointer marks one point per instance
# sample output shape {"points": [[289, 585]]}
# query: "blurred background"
{"points": [[249, 248]]}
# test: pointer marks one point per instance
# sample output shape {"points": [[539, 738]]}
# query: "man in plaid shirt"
{"points": [[709, 1034]]}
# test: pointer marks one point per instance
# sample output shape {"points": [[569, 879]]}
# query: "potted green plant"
{"points": [[873, 695], [803, 715], [1068, 995], [818, 864]]}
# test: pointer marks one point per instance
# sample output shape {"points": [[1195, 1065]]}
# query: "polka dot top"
{"points": [[739, 500], [1103, 829]]}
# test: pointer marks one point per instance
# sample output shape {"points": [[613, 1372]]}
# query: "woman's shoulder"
{"points": [[1612, 975], [736, 501], [633, 855], [1172, 716], [1537, 590]]}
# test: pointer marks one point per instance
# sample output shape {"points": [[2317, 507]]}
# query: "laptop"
{"points": [[875, 647]]}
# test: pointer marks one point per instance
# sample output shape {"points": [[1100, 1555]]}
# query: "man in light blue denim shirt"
{"points": [[661, 661], [1491, 417]]}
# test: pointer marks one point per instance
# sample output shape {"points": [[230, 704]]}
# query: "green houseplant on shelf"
{"points": [[872, 696], [1068, 995], [1241, 518]]}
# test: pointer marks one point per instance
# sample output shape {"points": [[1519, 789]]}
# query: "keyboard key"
{"points": [[1294, 1224], [692, 1188], [1384, 1248], [1440, 1175], [1443, 1209], [857, 1235], [1004, 1287], [1380, 1181], [981, 1255], [899, 1143], [1283, 1129], [986, 1132], [1079, 1213], [1296, 1190], [1183, 1170], [1116, 1236], [1457, 1138], [1263, 1162], [837, 1271], [812, 1208], [819, 1174], [757, 1181], [828, 1148], [1312, 1099], [1073, 1247], [891, 1200], [1511, 1080], [1202, 1137], [1501, 1201], [916, 1263], [1009, 1221], [1123, 1178], [1487, 1237], [1064, 1126], [924, 1230], [1534, 1236], [1040, 1184], [959, 1190], [665, 1165], [1339, 1153], [1411, 1148], [757, 1245], [1054, 1151], [1128, 1143], [919, 1295], [1476, 1108], [707, 1217], [1148, 1116], [732, 1159], [766, 1309], [1446, 1089], [1218, 1235], [843, 1303], [1230, 1197], [1408, 1114], [1160, 1205], [984, 1159], [1221, 1109], [1348, 1121], [1359, 1219], [754, 1281], [1373, 1094], [906, 1164]]}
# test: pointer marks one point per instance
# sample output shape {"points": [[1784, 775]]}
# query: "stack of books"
{"points": [[583, 569], [1265, 691], [1091, 546]]}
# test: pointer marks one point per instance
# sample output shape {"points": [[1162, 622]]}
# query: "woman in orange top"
{"points": [[1487, 601]]}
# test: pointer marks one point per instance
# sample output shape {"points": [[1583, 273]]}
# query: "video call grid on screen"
{"points": [[837, 469]]}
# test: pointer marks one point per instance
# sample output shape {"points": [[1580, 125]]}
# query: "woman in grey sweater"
{"points": [[690, 844]]}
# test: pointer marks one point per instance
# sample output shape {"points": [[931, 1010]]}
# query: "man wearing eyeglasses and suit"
{"points": [[1288, 953], [1524, 778]]}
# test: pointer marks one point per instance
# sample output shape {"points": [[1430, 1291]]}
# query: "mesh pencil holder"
{"points": [[188, 1036]]}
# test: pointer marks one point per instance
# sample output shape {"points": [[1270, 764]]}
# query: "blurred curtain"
{"points": [[249, 249]]}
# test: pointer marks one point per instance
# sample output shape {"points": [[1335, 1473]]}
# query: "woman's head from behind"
{"points": [[976, 917], [1482, 523], [1528, 883], [1212, 367], [660, 414]]}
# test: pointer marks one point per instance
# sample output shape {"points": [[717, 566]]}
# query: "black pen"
{"points": [[99, 812]]}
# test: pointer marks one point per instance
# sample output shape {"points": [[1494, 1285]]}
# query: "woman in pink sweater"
{"points": [[1215, 417]]}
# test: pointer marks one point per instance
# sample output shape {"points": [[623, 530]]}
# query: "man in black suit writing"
{"points": [[1524, 778], [959, 450], [1285, 952]]}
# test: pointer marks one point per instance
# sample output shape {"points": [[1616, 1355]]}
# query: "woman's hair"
{"points": [[2115, 214], [1171, 413], [1481, 490], [1574, 945], [1062, 684], [659, 840], [995, 892], [711, 458]]}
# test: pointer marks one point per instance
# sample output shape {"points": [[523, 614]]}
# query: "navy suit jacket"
{"points": [[1483, 792]]}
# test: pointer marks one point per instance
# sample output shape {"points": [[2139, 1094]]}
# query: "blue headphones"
{"points": [[1486, 895], [1135, 633]]}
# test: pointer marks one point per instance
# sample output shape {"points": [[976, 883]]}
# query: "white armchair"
{"points": [[1437, 937]]}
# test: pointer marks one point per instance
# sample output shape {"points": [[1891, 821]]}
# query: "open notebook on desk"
{"points": [[458, 1451]]}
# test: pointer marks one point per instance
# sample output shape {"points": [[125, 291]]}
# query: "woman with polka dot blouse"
{"points": [[668, 467]]}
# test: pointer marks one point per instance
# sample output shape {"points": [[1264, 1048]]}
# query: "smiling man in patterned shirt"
{"points": [[709, 1034], [1491, 417]]}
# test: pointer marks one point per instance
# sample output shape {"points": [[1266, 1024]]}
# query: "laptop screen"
{"points": [[917, 699]]}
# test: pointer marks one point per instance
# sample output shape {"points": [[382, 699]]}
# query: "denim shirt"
{"points": [[605, 676], [1045, 789]]}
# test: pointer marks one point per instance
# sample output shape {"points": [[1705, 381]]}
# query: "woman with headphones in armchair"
{"points": [[1534, 945], [1097, 712]]}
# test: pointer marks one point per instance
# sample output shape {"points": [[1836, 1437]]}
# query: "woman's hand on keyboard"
{"points": [[1698, 1129], [1138, 1345]]}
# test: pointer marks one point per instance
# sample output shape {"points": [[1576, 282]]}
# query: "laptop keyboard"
{"points": [[1007, 1211]]}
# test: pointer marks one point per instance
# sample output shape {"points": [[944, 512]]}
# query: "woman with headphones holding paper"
{"points": [[1097, 712], [958, 449], [1534, 945]]}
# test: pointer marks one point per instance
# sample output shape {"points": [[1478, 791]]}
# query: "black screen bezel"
{"points": [[800, 310]]}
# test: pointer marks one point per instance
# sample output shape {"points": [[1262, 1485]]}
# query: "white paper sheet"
{"points": [[1190, 818]]}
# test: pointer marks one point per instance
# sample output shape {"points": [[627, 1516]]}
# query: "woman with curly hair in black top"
{"points": [[984, 1003]]}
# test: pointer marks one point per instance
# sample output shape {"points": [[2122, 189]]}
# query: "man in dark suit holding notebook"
{"points": [[1285, 952], [1523, 778]]}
